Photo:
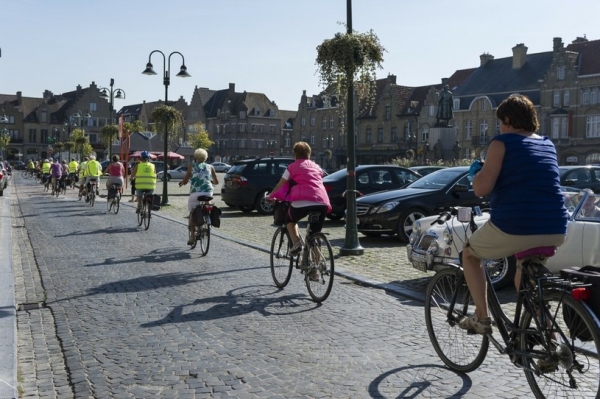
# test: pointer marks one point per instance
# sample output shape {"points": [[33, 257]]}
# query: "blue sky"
{"points": [[266, 46]]}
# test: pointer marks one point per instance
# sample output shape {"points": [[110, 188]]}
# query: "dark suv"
{"points": [[247, 182]]}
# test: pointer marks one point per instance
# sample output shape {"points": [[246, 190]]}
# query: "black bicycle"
{"points": [[113, 200], [554, 336], [201, 214], [315, 260], [144, 212]]}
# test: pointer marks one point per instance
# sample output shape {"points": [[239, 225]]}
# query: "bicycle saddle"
{"points": [[204, 198], [537, 251]]}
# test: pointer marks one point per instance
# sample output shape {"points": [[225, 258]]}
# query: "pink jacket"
{"points": [[309, 183]]}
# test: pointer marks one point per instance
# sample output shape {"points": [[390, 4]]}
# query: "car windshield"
{"points": [[437, 179], [337, 175]]}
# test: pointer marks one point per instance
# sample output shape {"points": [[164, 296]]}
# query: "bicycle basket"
{"points": [[279, 212]]}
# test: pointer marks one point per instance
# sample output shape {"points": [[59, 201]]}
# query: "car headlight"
{"points": [[388, 206], [433, 248], [416, 228], [447, 235]]}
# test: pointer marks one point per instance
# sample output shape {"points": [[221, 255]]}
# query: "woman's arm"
{"points": [[485, 180], [187, 176], [215, 180]]}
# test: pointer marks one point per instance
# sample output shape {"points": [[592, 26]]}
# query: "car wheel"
{"points": [[406, 220], [501, 271], [246, 209], [263, 206]]}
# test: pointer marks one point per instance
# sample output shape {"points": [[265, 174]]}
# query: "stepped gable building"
{"points": [[39, 126]]}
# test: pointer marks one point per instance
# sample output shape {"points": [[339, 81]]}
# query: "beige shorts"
{"points": [[489, 242]]}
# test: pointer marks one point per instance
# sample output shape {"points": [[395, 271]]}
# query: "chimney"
{"points": [[557, 44], [19, 97], [231, 88], [484, 58], [519, 56]]}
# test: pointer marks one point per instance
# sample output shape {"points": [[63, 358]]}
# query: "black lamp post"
{"points": [[68, 124], [351, 243], [111, 95], [166, 81], [55, 138]]}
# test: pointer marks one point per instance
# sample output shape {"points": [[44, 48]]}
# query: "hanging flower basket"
{"points": [[165, 116]]}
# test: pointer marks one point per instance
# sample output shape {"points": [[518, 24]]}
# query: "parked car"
{"points": [[177, 173], [247, 182], [19, 165], [221, 166], [432, 247], [159, 166], [369, 179], [580, 177], [395, 211], [426, 169], [3, 178]]}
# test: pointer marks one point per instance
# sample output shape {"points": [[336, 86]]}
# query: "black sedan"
{"points": [[583, 176], [394, 212], [369, 179]]}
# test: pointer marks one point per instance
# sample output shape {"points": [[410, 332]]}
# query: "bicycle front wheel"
{"points": [[568, 366], [281, 259], [25, 174], [204, 237], [319, 278], [116, 204], [458, 349]]}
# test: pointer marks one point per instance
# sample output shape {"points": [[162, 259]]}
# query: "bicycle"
{"points": [[315, 260], [202, 230], [90, 191], [27, 173], [114, 198], [56, 186], [46, 181], [144, 211], [554, 337]]}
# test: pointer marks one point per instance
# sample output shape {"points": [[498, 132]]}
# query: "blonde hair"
{"points": [[200, 155]]}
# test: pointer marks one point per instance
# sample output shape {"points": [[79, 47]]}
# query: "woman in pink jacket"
{"points": [[307, 193]]}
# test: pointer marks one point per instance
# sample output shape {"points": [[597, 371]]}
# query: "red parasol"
{"points": [[170, 155]]}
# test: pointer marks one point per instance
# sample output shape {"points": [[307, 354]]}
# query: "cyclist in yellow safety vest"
{"points": [[145, 178], [73, 166], [45, 170], [31, 166], [93, 171], [81, 170]]}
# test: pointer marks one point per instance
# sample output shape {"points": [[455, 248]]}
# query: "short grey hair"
{"points": [[200, 155]]}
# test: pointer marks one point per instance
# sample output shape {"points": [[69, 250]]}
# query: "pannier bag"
{"points": [[155, 205], [215, 217], [586, 275], [279, 211], [198, 216]]}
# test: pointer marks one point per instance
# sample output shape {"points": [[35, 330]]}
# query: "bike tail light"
{"points": [[208, 207], [580, 294]]}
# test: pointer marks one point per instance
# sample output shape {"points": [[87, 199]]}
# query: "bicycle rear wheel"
{"points": [[319, 278], [281, 259], [146, 210], [569, 366], [204, 237], [92, 197], [25, 174], [458, 349], [140, 214], [116, 204]]}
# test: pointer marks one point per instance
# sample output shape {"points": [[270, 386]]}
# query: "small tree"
{"points": [[81, 143], [200, 139], [4, 140]]}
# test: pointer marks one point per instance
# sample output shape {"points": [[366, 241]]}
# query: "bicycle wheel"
{"points": [[92, 196], [203, 237], [140, 214], [458, 349], [570, 367], [25, 174], [37, 178], [116, 204], [319, 278], [281, 259], [146, 211]]}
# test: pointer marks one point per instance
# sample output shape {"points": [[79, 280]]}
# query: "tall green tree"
{"points": [[200, 138]]}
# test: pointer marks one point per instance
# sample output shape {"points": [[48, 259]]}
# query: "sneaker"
{"points": [[296, 248], [480, 326], [314, 275], [191, 241]]}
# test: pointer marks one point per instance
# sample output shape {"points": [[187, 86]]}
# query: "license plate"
{"points": [[422, 266]]}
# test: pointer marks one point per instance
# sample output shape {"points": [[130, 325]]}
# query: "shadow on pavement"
{"points": [[156, 256]]}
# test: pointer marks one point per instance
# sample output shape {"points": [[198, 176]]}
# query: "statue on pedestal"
{"points": [[445, 107]]}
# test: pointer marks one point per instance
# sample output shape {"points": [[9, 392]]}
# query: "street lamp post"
{"points": [[351, 244], [55, 138], [111, 95], [4, 135], [80, 116], [166, 81]]}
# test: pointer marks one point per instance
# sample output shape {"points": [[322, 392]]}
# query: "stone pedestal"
{"points": [[447, 138]]}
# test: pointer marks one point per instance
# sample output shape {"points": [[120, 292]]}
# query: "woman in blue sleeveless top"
{"points": [[521, 174]]}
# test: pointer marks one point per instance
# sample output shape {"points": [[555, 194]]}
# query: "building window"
{"points": [[483, 104], [594, 96], [560, 72], [303, 121], [425, 136], [380, 135], [242, 144], [368, 136], [585, 96], [388, 112], [32, 135], [331, 122], [556, 101], [566, 98], [261, 128], [592, 128], [312, 120], [288, 142], [44, 135], [467, 153], [312, 138], [254, 127], [217, 128], [394, 134], [432, 110], [456, 104], [44, 117], [559, 127], [242, 127], [324, 123], [468, 129], [242, 114]]}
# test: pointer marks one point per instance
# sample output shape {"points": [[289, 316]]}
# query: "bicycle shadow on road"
{"points": [[234, 304], [99, 231], [159, 255], [420, 380]]}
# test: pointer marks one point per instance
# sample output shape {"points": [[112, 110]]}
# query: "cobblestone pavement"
{"points": [[108, 310]]}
